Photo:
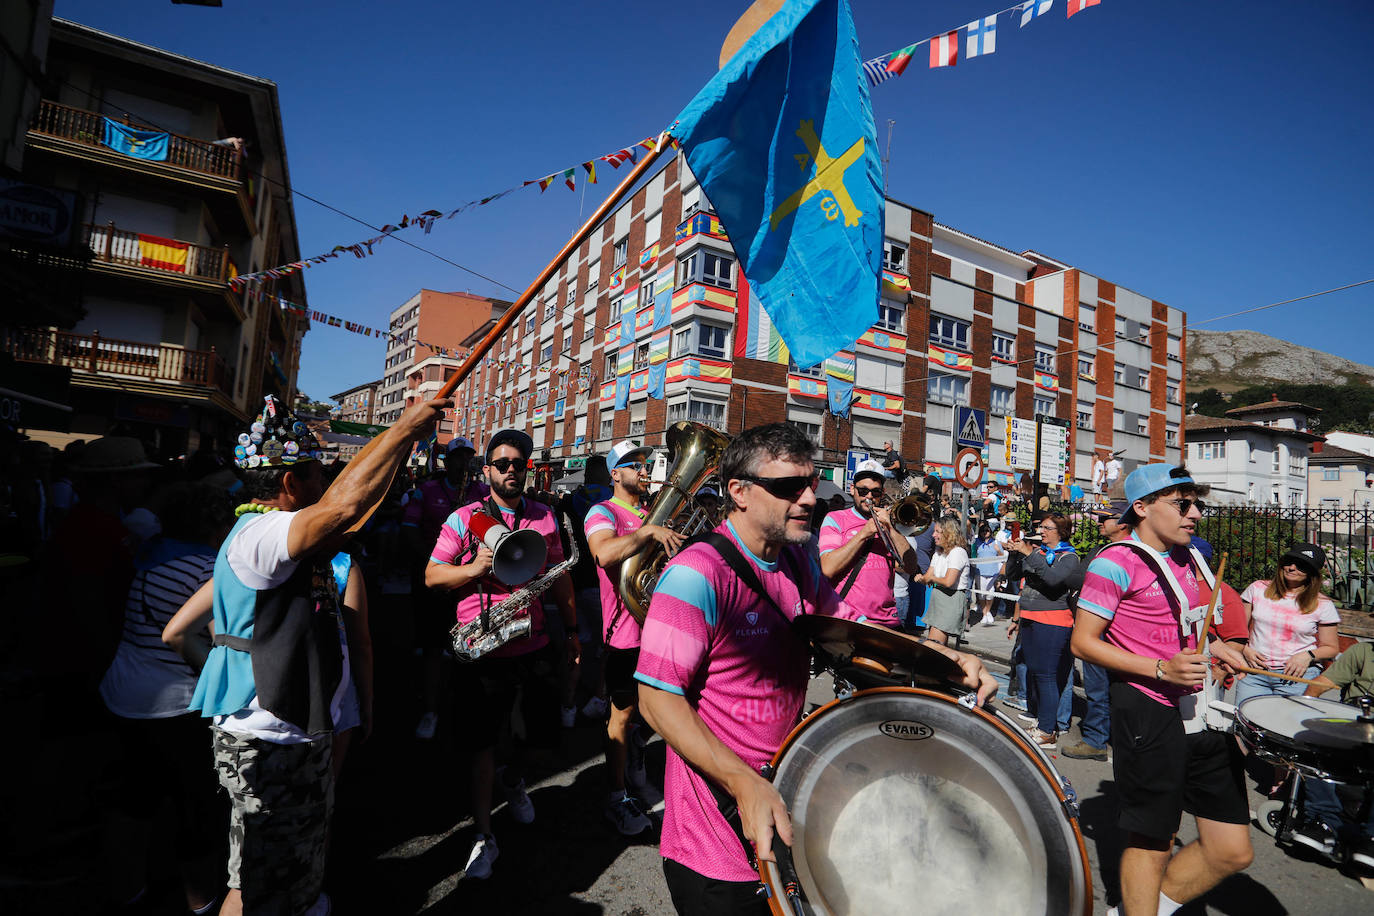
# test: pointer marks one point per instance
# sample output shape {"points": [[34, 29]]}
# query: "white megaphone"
{"points": [[515, 555]]}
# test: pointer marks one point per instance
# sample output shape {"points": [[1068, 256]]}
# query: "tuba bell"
{"points": [[912, 514], [695, 451]]}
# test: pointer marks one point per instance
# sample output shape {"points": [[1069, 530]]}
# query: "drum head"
{"points": [[903, 801], [1283, 717]]}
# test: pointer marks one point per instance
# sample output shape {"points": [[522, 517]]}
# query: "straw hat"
{"points": [[112, 455]]}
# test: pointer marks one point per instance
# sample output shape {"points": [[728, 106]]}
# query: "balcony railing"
{"points": [[99, 355], [136, 249], [88, 127]]}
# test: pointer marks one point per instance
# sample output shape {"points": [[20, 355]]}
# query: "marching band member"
{"points": [[723, 676], [486, 688], [616, 530], [857, 558]]}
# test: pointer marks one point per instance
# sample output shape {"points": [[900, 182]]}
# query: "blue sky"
{"points": [[1213, 155]]}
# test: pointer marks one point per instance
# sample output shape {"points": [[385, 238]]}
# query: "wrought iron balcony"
{"points": [[95, 355]]}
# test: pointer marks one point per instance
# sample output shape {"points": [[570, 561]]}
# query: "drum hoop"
{"points": [[765, 869]]}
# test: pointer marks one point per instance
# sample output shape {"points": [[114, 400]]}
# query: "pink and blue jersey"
{"points": [[619, 518], [708, 637], [1121, 586], [872, 590], [434, 501], [453, 545]]}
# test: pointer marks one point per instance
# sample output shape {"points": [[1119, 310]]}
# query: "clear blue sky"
{"points": [[1213, 155]]}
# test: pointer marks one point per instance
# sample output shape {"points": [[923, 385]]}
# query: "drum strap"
{"points": [[742, 568], [857, 566]]}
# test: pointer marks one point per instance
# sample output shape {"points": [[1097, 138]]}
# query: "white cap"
{"points": [[869, 467], [626, 450]]}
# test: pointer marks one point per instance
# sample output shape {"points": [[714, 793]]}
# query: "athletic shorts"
{"points": [[620, 676], [280, 797], [694, 894], [488, 688], [1162, 772]]}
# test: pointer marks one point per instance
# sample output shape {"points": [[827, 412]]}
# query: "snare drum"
{"points": [[904, 799], [1271, 728]]}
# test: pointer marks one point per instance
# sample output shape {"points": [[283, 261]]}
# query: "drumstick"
{"points": [[1212, 605], [1280, 676]]}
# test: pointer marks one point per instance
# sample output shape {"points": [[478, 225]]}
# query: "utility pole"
{"points": [[887, 153]]}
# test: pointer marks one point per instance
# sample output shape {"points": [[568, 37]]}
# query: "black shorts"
{"points": [[695, 894], [485, 696], [1162, 772], [620, 676]]}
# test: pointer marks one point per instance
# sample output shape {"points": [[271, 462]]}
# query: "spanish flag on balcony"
{"points": [[895, 285], [949, 359], [163, 254], [607, 392], [883, 340], [639, 381], [877, 401], [1047, 381], [799, 386]]}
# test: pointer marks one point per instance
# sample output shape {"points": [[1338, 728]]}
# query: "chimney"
{"points": [[1273, 395]]}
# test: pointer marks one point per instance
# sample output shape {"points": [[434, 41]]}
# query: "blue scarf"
{"points": [[1052, 552]]}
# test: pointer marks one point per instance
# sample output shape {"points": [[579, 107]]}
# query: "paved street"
{"points": [[402, 836]]}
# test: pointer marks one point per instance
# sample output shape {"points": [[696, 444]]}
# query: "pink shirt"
{"points": [[435, 499], [619, 519], [453, 546], [1120, 586], [872, 590], [709, 638], [1279, 629]]}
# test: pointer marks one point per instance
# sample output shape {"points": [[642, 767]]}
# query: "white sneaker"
{"points": [[424, 731], [1044, 740], [626, 816], [569, 716], [594, 708], [517, 800], [1027, 717], [483, 855], [988, 621]]}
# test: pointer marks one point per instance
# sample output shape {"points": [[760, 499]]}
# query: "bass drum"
{"points": [[905, 800]]}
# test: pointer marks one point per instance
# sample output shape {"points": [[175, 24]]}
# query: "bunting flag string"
{"points": [[426, 219]]}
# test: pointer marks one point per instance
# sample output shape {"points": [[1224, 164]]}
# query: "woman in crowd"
{"points": [[947, 578], [1292, 624], [1052, 571], [987, 550]]}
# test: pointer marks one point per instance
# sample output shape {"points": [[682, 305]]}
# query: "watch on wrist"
{"points": [[1159, 669]]}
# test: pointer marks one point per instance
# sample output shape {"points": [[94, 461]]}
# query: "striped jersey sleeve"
{"points": [[600, 519], [831, 536], [677, 630], [1105, 582], [449, 546]]}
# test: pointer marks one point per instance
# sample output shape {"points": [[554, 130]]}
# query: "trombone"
{"points": [[911, 515]]}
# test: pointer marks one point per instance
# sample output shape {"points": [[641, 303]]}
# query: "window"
{"points": [[529, 324], [609, 369], [1087, 317], [646, 292], [637, 427], [572, 294], [711, 413], [1331, 473], [700, 339], [703, 266], [1208, 451], [1171, 393], [546, 354], [894, 255], [1275, 462], [1084, 415], [1085, 367], [589, 329], [567, 342], [1119, 375], [1003, 347], [1120, 327], [1142, 379], [948, 332], [1142, 426], [1003, 400], [622, 251], [812, 430], [1171, 435], [890, 316], [614, 315], [550, 308], [1044, 358], [1297, 464], [642, 356], [541, 396], [607, 428], [1044, 406], [947, 389], [816, 371]]}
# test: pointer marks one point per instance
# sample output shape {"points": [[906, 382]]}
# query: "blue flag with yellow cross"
{"points": [[783, 143]]}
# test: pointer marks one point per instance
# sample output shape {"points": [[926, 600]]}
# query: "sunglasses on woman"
{"points": [[505, 464], [788, 488]]}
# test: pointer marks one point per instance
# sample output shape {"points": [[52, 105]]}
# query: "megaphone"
{"points": [[515, 555]]}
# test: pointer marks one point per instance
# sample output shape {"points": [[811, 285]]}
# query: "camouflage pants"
{"points": [[280, 799]]}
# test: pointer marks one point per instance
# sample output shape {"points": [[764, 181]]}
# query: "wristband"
{"points": [[1159, 669]]}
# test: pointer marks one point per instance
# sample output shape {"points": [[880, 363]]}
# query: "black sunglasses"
{"points": [[788, 488], [505, 464], [868, 491], [1184, 504]]}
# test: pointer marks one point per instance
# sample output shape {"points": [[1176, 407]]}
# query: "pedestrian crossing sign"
{"points": [[971, 427]]}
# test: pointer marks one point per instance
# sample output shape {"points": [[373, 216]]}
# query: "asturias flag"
{"points": [[783, 143]]}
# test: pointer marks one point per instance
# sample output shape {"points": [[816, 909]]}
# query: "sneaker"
{"points": [[1363, 852], [594, 708], [1315, 834], [1085, 751], [483, 855], [568, 715], [424, 731], [1027, 717], [648, 796], [1014, 702], [626, 816], [1043, 739], [988, 621], [517, 800]]}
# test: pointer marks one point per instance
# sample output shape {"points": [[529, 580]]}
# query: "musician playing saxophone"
{"points": [[855, 556], [486, 688], [616, 530]]}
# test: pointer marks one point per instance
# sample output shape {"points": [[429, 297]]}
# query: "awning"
{"points": [[36, 396], [341, 439]]}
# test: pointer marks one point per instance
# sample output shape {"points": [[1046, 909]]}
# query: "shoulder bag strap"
{"points": [[857, 566], [741, 568]]}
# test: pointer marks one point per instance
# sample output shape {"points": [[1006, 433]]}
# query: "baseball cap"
{"points": [[518, 438], [625, 451], [1203, 547], [1114, 509], [1148, 479], [869, 468], [1308, 556], [708, 491], [458, 442]]}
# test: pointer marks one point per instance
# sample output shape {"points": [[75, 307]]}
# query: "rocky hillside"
{"points": [[1231, 360]]}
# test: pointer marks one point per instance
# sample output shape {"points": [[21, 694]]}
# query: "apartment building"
{"points": [[1256, 454], [961, 322], [176, 170]]}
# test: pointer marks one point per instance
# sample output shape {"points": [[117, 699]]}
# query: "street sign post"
{"points": [[1021, 444], [968, 468], [1053, 461], [851, 461]]}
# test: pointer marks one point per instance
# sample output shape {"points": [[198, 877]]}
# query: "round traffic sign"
{"points": [[968, 468]]}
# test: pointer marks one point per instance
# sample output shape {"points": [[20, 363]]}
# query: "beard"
{"points": [[510, 490], [778, 532]]}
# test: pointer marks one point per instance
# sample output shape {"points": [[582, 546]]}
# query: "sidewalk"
{"points": [[988, 643]]}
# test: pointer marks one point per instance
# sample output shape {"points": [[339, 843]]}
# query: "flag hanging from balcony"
{"points": [[658, 372], [140, 144], [163, 254], [622, 392], [783, 143], [760, 338], [839, 374]]}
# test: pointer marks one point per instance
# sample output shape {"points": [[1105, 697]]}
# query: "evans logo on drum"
{"points": [[906, 730]]}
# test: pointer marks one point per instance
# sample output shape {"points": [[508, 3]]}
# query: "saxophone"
{"points": [[695, 450], [510, 619]]}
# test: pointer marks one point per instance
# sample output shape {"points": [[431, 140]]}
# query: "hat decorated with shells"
{"points": [[277, 438]]}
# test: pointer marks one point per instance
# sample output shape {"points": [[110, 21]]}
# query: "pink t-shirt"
{"points": [[433, 503], [453, 545], [709, 638], [1121, 586], [872, 589], [1279, 630], [619, 519]]}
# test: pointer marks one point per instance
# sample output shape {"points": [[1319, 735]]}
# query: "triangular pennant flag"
{"points": [[591, 171]]}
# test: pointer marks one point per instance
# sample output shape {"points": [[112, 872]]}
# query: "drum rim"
{"points": [[767, 871]]}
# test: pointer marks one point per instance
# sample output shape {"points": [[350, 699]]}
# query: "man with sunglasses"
{"points": [[1140, 611], [616, 530], [855, 557], [486, 689], [723, 676]]}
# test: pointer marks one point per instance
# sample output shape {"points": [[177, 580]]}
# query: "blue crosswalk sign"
{"points": [[971, 427]]}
